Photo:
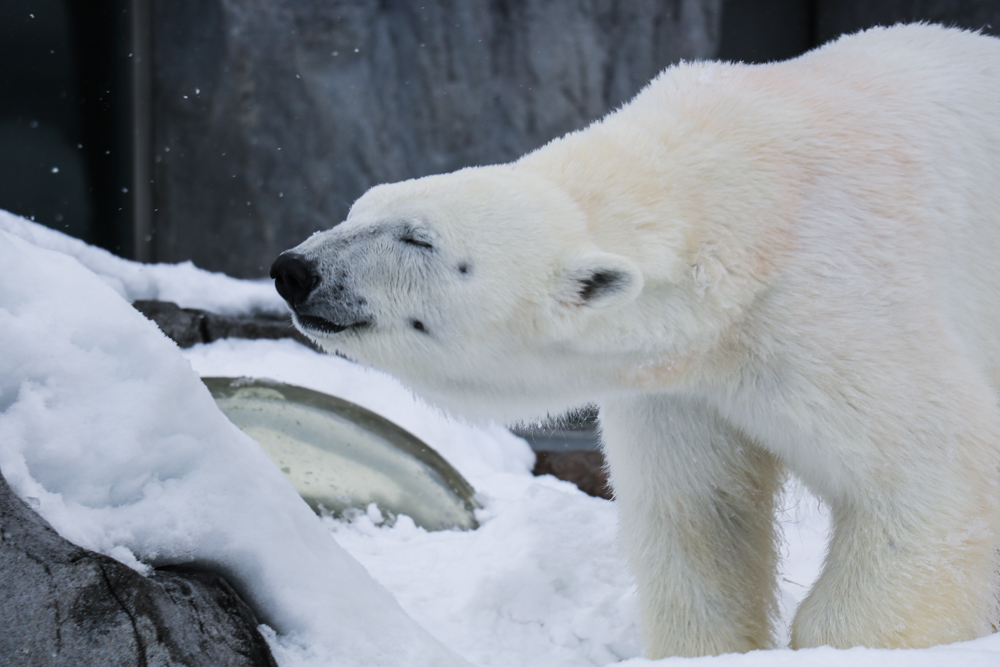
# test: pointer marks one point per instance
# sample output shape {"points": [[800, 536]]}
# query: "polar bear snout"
{"points": [[295, 277], [317, 310]]}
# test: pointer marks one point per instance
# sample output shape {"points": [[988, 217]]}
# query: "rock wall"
{"points": [[272, 116], [835, 17]]}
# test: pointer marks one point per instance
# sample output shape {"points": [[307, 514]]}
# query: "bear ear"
{"points": [[599, 280]]}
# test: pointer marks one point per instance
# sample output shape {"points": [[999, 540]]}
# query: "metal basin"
{"points": [[341, 456]]}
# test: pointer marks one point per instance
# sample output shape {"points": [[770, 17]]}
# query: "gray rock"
{"points": [[189, 326], [586, 469], [184, 326], [834, 17], [569, 447], [273, 116], [65, 606]]}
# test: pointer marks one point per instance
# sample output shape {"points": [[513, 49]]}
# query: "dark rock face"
{"points": [[835, 17], [188, 326], [585, 469], [65, 606], [569, 448], [273, 116]]}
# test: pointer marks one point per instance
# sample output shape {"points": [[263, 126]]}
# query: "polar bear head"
{"points": [[480, 289]]}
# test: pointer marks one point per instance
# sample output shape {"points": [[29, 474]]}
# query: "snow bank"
{"points": [[107, 432], [184, 284], [541, 582], [983, 652]]}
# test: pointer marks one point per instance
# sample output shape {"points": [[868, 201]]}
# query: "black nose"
{"points": [[294, 277]]}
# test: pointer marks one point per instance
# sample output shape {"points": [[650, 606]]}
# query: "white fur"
{"points": [[804, 276]]}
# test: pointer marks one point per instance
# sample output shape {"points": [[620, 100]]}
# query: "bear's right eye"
{"points": [[412, 237], [420, 244]]}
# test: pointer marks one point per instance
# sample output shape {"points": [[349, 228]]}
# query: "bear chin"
{"points": [[480, 399]]}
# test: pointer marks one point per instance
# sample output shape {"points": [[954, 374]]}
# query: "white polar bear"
{"points": [[750, 269]]}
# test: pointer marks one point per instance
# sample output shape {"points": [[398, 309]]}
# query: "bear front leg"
{"points": [[910, 565], [696, 506]]}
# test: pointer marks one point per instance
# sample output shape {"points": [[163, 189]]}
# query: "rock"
{"points": [[583, 468], [569, 447], [64, 605], [188, 326], [835, 17], [184, 326], [273, 116]]}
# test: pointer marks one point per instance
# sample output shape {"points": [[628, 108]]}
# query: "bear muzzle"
{"points": [[296, 279]]}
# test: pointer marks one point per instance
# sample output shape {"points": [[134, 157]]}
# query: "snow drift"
{"points": [[110, 435]]}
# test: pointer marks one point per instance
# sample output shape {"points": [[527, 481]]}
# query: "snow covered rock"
{"points": [[183, 284], [108, 429], [63, 605]]}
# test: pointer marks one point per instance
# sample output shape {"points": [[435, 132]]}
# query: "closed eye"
{"points": [[417, 242], [412, 235]]}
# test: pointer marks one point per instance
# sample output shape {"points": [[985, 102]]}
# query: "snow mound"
{"points": [[184, 284], [107, 433]]}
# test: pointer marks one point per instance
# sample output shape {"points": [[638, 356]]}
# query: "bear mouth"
{"points": [[323, 325]]}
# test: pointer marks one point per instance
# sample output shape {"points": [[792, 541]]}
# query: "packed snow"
{"points": [[106, 431], [184, 284], [109, 435]]}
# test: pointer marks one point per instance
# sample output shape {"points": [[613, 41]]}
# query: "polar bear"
{"points": [[751, 270]]}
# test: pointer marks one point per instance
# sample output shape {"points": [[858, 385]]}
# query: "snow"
{"points": [[184, 284], [107, 432], [110, 436]]}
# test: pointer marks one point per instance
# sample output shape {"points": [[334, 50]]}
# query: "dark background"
{"points": [[224, 131]]}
